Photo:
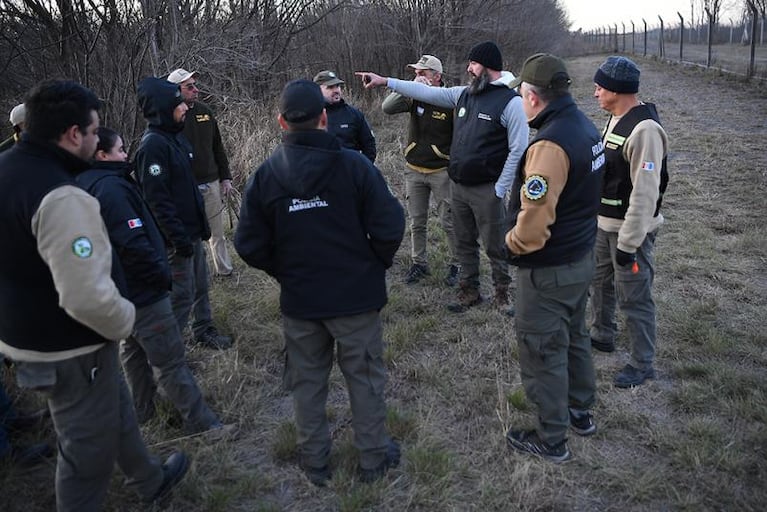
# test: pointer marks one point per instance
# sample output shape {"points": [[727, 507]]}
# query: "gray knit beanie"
{"points": [[618, 74]]}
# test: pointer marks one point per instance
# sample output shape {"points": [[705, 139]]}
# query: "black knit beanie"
{"points": [[618, 74], [488, 55]]}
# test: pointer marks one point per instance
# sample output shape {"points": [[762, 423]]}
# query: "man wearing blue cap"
{"points": [[321, 220], [629, 217]]}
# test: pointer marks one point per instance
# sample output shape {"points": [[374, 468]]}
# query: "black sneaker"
{"points": [[603, 346], [212, 339], [416, 273], [582, 422], [452, 275], [629, 376], [527, 441], [390, 461], [173, 471], [317, 476]]}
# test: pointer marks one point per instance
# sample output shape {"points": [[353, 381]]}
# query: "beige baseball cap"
{"points": [[428, 62]]}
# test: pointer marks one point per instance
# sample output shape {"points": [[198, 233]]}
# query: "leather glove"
{"points": [[623, 258]]}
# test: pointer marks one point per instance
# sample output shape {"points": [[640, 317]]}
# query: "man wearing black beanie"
{"points": [[633, 184], [490, 134]]}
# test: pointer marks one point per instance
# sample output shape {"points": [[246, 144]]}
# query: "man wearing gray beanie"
{"points": [[633, 184], [490, 134]]}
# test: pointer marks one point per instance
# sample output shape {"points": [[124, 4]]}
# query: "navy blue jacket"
{"points": [[323, 222], [352, 129], [164, 168], [134, 234]]}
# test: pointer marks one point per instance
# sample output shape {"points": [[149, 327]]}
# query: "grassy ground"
{"points": [[693, 439]]}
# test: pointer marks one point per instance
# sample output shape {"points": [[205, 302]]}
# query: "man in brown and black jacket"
{"points": [[427, 156]]}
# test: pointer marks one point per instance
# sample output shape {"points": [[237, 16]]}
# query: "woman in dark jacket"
{"points": [[156, 342]]}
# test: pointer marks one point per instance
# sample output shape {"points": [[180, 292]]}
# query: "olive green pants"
{"points": [[554, 344], [309, 350]]}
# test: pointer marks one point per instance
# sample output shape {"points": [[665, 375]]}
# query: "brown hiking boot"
{"points": [[501, 301], [468, 296]]}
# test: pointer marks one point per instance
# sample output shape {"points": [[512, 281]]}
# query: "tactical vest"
{"points": [[617, 186], [574, 231], [430, 133], [480, 142]]}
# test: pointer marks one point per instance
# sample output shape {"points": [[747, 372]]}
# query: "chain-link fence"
{"points": [[735, 48]]}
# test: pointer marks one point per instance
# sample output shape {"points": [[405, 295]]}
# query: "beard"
{"points": [[477, 84]]}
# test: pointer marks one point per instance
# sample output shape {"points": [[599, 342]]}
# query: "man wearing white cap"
{"points": [[427, 155], [210, 164], [17, 118]]}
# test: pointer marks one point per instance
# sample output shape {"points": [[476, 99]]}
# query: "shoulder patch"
{"points": [[648, 166], [461, 111], [82, 247], [155, 170], [535, 187]]}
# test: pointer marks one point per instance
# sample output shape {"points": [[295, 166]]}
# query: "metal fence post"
{"points": [[710, 26], [681, 36], [633, 45], [661, 52], [645, 38]]}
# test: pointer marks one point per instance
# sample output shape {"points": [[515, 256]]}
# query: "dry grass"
{"points": [[694, 439]]}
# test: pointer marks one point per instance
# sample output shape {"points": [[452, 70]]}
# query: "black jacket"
{"points": [[323, 222], [352, 129], [164, 168], [210, 161], [135, 236]]}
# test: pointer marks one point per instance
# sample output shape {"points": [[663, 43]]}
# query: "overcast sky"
{"points": [[588, 14]]}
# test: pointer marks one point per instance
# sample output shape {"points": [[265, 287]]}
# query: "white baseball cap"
{"points": [[18, 114], [181, 75]]}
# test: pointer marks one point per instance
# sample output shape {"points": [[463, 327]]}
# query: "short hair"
{"points": [[548, 94], [107, 139], [309, 124], [55, 105]]}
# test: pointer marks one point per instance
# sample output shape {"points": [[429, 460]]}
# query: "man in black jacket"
{"points": [[344, 121], [321, 220], [62, 311], [164, 169]]}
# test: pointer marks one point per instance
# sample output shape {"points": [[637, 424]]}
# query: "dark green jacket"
{"points": [[210, 162]]}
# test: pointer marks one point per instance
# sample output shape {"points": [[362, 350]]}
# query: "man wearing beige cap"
{"points": [[427, 155], [18, 114], [344, 121], [210, 165]]}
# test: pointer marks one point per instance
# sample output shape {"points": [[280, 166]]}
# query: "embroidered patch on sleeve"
{"points": [[135, 223], [82, 247], [155, 170], [648, 166], [535, 187]]}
